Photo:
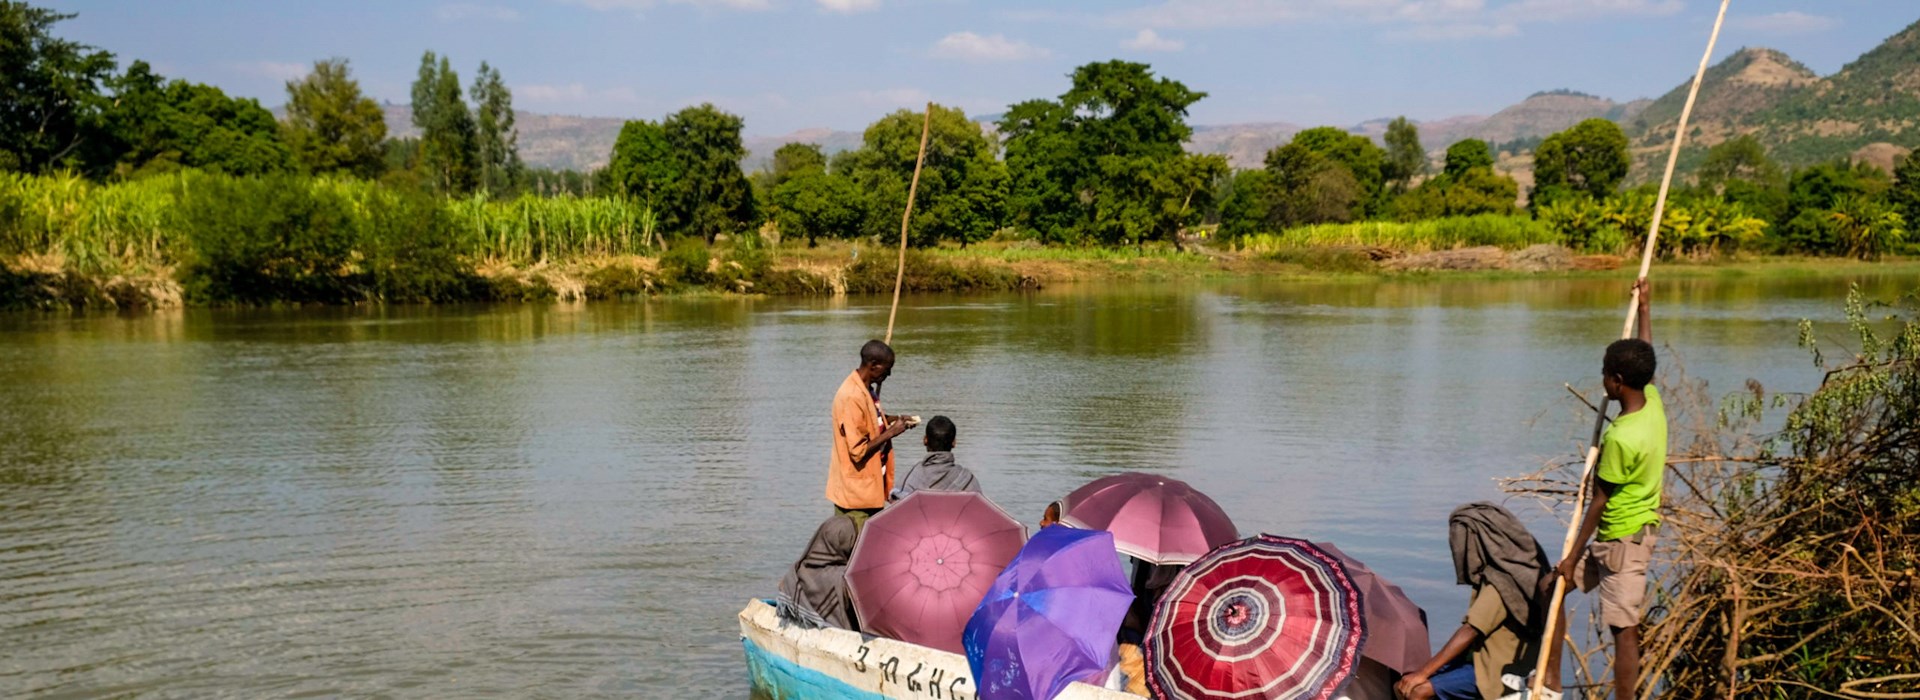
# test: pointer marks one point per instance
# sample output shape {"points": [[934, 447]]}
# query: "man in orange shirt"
{"points": [[860, 470]]}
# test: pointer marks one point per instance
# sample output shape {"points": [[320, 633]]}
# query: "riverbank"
{"points": [[841, 268]]}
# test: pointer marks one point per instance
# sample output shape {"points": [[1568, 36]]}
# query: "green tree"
{"points": [[1591, 159], [1467, 155], [795, 159], [643, 165], [1477, 190], [156, 125], [1365, 162], [963, 186], [1086, 164], [496, 141], [1905, 192], [1406, 158], [1742, 158], [1246, 207], [332, 127], [1307, 187], [711, 195], [49, 89], [814, 204], [447, 133]]}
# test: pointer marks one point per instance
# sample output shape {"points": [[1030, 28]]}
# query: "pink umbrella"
{"points": [[922, 565], [1396, 627], [1157, 519]]}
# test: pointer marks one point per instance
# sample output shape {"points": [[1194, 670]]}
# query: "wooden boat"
{"points": [[790, 663]]}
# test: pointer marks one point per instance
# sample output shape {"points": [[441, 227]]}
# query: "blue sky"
{"points": [[792, 64]]}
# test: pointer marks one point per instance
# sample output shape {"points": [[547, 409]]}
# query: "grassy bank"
{"points": [[197, 238]]}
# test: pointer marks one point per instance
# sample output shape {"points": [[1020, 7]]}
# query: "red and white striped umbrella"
{"points": [[1265, 617]]}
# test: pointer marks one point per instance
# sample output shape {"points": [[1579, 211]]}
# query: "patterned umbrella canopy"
{"points": [[922, 565], [1158, 519], [1264, 617]]}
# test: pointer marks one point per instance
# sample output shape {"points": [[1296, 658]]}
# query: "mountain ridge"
{"points": [[1871, 104]]}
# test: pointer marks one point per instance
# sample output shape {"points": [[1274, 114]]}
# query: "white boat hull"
{"points": [[790, 663]]}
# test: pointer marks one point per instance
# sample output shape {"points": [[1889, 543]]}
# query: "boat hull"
{"points": [[786, 662]]}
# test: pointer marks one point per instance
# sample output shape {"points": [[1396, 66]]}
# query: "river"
{"points": [[568, 501]]}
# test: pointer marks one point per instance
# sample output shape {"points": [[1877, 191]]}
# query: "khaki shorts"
{"points": [[1619, 569]]}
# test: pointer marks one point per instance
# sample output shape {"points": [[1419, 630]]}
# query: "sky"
{"points": [[786, 65]]}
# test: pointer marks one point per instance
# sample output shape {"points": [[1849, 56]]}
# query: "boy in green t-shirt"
{"points": [[1625, 513]]}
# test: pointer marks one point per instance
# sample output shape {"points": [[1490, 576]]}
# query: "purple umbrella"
{"points": [[1050, 618], [1158, 519]]}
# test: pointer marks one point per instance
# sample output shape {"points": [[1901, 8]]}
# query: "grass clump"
{"points": [[1509, 232]]}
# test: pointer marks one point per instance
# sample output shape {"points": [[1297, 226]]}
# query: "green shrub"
{"points": [[686, 264], [875, 274], [259, 240]]}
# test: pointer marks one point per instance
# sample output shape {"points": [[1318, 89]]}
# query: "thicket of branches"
{"points": [[1789, 553]]}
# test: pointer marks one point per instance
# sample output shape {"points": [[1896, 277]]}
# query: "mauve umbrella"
{"points": [[1157, 519], [1050, 618], [1396, 628], [1265, 617], [922, 565]]}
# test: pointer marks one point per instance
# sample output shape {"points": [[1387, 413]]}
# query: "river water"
{"points": [[577, 500]]}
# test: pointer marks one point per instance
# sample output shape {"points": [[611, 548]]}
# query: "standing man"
{"points": [[860, 470]]}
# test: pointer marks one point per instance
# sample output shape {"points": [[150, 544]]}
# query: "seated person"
{"points": [[1050, 516], [1496, 555], [814, 593], [937, 472]]}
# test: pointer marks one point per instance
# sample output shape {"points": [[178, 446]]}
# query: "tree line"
{"points": [[69, 108], [1104, 163]]}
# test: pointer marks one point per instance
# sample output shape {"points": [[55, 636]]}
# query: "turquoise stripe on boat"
{"points": [[782, 679]]}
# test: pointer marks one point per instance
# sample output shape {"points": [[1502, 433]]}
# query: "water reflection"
{"points": [[576, 499]]}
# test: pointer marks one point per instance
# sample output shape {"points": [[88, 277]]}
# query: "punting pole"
{"points": [[900, 276]]}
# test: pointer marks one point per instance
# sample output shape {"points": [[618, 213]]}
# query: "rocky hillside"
{"points": [[1244, 145], [1870, 107], [565, 142]]}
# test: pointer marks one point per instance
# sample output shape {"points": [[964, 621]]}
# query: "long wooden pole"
{"points": [[1547, 641], [900, 276]]}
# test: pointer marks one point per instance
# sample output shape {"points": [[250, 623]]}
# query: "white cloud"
{"points": [[574, 94], [638, 6], [968, 46], [1781, 23], [893, 98], [1450, 32], [1560, 10], [273, 69], [1427, 20], [1149, 40], [458, 11], [847, 7]]}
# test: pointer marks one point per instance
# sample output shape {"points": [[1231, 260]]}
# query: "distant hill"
{"points": [[584, 143], [1870, 110], [1538, 116], [1244, 145]]}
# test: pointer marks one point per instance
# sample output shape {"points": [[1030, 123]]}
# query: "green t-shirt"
{"points": [[1633, 456]]}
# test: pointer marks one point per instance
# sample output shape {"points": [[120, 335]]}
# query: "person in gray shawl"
{"points": [[1498, 642], [937, 472], [814, 593]]}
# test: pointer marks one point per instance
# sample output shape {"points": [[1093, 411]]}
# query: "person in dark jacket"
{"points": [[938, 472]]}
